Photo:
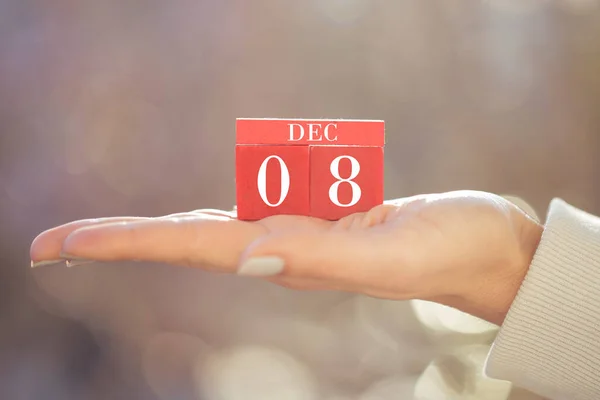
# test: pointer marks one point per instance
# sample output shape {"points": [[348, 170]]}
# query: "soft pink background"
{"points": [[128, 107]]}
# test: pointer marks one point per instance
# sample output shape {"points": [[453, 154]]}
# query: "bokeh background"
{"points": [[128, 107]]}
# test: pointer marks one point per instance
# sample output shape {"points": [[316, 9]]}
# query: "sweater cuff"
{"points": [[549, 342]]}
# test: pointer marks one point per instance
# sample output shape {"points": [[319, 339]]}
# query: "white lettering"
{"points": [[292, 138], [312, 131], [334, 189], [327, 132], [262, 181]]}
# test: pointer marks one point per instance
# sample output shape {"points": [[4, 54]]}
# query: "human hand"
{"points": [[468, 250]]}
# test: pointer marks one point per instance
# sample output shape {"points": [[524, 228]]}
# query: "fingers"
{"points": [[191, 240], [46, 247], [337, 257], [204, 211]]}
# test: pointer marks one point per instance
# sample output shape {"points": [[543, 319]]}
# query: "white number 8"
{"points": [[333, 190]]}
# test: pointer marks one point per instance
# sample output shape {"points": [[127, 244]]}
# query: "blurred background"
{"points": [[128, 108]]}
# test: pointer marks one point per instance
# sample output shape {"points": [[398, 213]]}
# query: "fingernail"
{"points": [[74, 261], [262, 266], [35, 264], [77, 263], [71, 257]]}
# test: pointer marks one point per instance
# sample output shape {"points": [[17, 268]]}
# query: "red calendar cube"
{"points": [[322, 168], [272, 180], [345, 180], [306, 132]]}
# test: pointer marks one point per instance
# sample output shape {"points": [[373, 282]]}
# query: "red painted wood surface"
{"points": [[284, 179], [329, 169], [300, 132], [345, 180]]}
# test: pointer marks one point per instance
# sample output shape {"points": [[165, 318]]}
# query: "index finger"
{"points": [[200, 241], [45, 248]]}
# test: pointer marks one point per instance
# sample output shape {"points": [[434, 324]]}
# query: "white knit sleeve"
{"points": [[550, 341]]}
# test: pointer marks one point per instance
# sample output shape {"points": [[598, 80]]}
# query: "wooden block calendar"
{"points": [[321, 168]]}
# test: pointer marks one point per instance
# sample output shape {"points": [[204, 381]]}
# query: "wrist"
{"points": [[491, 293], [495, 303]]}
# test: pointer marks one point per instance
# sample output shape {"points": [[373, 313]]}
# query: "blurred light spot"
{"points": [[518, 6], [375, 330], [525, 206], [459, 376], [86, 144], [26, 182], [82, 294], [580, 6], [254, 373], [310, 339], [94, 123], [442, 319], [168, 362], [376, 338], [521, 394], [390, 388], [509, 66], [434, 384], [343, 11]]}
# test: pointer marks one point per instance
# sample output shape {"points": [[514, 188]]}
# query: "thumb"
{"points": [[345, 257]]}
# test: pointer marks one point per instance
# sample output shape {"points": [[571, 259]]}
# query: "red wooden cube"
{"points": [[304, 132], [323, 168], [345, 180], [272, 180]]}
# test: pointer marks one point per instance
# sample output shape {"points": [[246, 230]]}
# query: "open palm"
{"points": [[465, 249]]}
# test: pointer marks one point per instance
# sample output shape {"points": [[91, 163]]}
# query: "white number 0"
{"points": [[262, 181], [333, 190]]}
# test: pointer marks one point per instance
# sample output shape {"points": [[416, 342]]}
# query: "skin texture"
{"points": [[468, 250]]}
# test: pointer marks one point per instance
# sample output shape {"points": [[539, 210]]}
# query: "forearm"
{"points": [[549, 341]]}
